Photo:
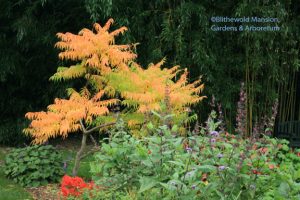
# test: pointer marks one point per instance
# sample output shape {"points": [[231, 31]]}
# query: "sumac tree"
{"points": [[111, 76]]}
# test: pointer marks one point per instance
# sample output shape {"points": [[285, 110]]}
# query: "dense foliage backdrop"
{"points": [[267, 62]]}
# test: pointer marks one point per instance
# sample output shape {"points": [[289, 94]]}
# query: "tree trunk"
{"points": [[79, 154], [86, 133]]}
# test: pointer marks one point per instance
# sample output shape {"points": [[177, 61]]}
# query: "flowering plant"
{"points": [[74, 186], [206, 165]]}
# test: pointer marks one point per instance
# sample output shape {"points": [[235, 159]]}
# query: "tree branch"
{"points": [[93, 140], [82, 126], [100, 126], [95, 128], [89, 152]]}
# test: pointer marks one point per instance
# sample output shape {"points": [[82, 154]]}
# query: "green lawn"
{"points": [[8, 189]]}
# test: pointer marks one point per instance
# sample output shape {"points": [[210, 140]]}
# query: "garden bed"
{"points": [[13, 191]]}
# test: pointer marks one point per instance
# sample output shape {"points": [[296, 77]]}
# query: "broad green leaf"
{"points": [[147, 183], [206, 168]]}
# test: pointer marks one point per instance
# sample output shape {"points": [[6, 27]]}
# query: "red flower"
{"points": [[74, 186], [256, 172]]}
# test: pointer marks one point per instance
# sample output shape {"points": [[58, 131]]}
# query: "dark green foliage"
{"points": [[11, 132], [180, 30], [27, 57], [34, 165]]}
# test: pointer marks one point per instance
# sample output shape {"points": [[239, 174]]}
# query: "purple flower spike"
{"points": [[222, 167], [220, 155], [193, 187], [214, 133], [213, 140], [188, 149]]}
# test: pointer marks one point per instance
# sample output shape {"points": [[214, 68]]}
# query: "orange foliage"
{"points": [[147, 88], [108, 68], [64, 116], [96, 50]]}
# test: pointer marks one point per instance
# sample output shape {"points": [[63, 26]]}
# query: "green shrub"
{"points": [[148, 168], [114, 163], [209, 166], [34, 165]]}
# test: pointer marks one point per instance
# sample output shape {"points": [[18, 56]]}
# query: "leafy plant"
{"points": [[116, 160], [34, 165], [211, 165], [152, 164]]}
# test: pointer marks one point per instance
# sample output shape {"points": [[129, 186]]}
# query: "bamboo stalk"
{"points": [[294, 96]]}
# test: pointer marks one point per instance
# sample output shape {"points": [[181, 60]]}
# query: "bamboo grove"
{"points": [[267, 62]]}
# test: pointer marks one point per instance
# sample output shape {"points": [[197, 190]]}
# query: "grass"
{"points": [[9, 190]]}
